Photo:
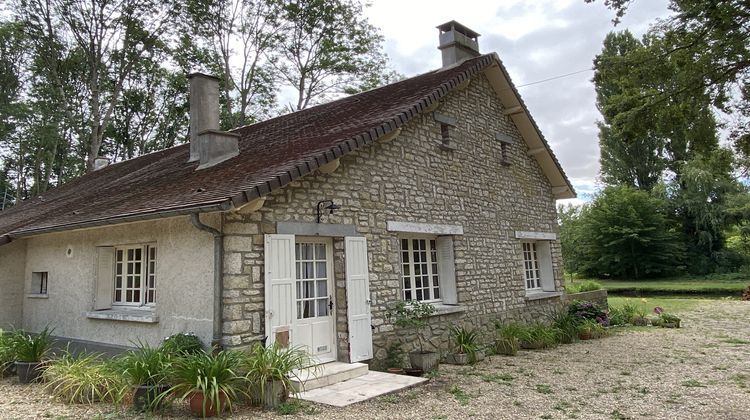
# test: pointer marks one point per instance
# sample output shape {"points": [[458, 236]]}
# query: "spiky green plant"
{"points": [[566, 327], [145, 366], [216, 376], [538, 335], [84, 379], [32, 347], [7, 353], [265, 365], [465, 341]]}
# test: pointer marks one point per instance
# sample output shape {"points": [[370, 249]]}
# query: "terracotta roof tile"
{"points": [[272, 153]]}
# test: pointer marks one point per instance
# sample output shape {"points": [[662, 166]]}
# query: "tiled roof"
{"points": [[272, 153]]}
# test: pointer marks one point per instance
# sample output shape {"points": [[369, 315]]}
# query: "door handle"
{"points": [[368, 301], [330, 303]]}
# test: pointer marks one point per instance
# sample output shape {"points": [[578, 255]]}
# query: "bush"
{"points": [[182, 344], [588, 310], [623, 315], [145, 366], [538, 336], [274, 364], [84, 379], [584, 286], [30, 347], [566, 326], [7, 354]]}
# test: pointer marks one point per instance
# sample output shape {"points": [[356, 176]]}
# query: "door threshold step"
{"points": [[327, 374]]}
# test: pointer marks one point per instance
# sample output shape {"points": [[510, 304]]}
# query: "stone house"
{"points": [[305, 228]]}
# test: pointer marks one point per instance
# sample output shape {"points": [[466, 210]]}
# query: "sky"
{"points": [[536, 40]]}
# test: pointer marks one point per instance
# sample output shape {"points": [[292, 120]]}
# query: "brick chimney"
{"points": [[457, 43], [208, 145]]}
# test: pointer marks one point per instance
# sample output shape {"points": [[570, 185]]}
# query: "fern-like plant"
{"points": [[84, 379]]}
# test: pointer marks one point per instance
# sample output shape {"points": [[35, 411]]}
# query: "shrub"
{"points": [[626, 314], [216, 376], [394, 356], [84, 379], [412, 314], [508, 337], [465, 341], [584, 286], [145, 366], [590, 328], [7, 353], [588, 310], [566, 326], [31, 348], [538, 336], [274, 364], [182, 344]]}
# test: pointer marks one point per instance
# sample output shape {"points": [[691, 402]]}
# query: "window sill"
{"points": [[37, 296], [125, 315], [443, 309], [542, 295]]}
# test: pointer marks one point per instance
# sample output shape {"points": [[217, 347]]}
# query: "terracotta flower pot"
{"points": [[196, 400], [396, 370]]}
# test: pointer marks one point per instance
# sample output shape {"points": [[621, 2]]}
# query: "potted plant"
{"points": [[271, 371], [507, 340], [29, 350], [565, 325], [414, 314], [639, 319], [668, 320], [210, 382], [394, 359], [84, 379], [466, 348], [145, 369]]}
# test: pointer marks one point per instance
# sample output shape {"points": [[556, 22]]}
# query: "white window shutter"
{"points": [[447, 270], [105, 280], [544, 256], [280, 276], [358, 299]]}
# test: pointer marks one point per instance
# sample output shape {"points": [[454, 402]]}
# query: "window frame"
{"points": [[148, 271], [431, 263], [532, 266]]}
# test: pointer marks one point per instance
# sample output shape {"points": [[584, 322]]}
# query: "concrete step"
{"points": [[327, 374]]}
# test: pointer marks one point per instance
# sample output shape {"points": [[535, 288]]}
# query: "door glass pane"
{"points": [[320, 268], [307, 270], [307, 252], [322, 307], [322, 288], [320, 251]]}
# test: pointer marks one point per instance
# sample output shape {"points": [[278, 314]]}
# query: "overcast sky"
{"points": [[536, 40]]}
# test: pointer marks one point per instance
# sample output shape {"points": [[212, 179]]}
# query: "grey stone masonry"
{"points": [[411, 179]]}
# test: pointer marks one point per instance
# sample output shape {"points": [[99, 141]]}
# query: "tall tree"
{"points": [[327, 50]]}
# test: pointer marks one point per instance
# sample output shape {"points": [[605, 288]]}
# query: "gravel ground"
{"points": [[699, 371]]}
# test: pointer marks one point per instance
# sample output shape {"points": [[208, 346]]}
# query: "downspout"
{"points": [[218, 269]]}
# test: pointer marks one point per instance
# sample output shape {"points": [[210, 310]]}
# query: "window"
{"points": [[135, 275], [38, 283], [531, 266], [420, 274], [312, 280]]}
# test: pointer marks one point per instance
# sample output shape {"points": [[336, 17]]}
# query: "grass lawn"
{"points": [[671, 304], [717, 284]]}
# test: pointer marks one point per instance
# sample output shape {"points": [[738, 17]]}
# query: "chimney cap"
{"points": [[448, 26], [199, 74]]}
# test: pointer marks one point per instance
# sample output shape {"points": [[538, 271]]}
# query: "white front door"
{"points": [[358, 299], [314, 325]]}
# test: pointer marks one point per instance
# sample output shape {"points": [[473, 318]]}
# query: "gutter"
{"points": [[195, 218]]}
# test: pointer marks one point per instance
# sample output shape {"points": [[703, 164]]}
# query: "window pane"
{"points": [[320, 266], [322, 307], [307, 270], [307, 251], [320, 251], [322, 288]]}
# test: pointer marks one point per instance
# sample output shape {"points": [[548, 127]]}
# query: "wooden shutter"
{"points": [[105, 281], [280, 278], [446, 270], [544, 257], [358, 299]]}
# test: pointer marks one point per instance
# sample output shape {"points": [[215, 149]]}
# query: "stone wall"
{"points": [[412, 178]]}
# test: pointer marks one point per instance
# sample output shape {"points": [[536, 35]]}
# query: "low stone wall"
{"points": [[597, 296]]}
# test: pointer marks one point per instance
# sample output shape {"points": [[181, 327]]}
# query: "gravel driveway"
{"points": [[699, 371]]}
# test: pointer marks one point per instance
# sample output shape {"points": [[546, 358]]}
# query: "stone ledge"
{"points": [[36, 296], [143, 316], [443, 309], [542, 295]]}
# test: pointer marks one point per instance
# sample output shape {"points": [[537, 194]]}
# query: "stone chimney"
{"points": [[457, 43], [208, 145]]}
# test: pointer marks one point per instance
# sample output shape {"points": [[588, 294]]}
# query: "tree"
{"points": [[625, 233], [712, 38], [327, 49]]}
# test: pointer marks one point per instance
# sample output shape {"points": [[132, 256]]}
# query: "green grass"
{"points": [[717, 284], [672, 304]]}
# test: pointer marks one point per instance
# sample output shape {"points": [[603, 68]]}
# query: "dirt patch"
{"points": [[699, 371]]}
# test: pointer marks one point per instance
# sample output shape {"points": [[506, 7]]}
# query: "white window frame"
{"points": [[432, 263], [531, 272], [148, 265]]}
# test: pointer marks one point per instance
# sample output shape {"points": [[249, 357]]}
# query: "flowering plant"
{"points": [[589, 311]]}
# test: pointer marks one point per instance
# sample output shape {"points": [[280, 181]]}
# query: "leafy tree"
{"points": [[327, 49], [625, 232]]}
